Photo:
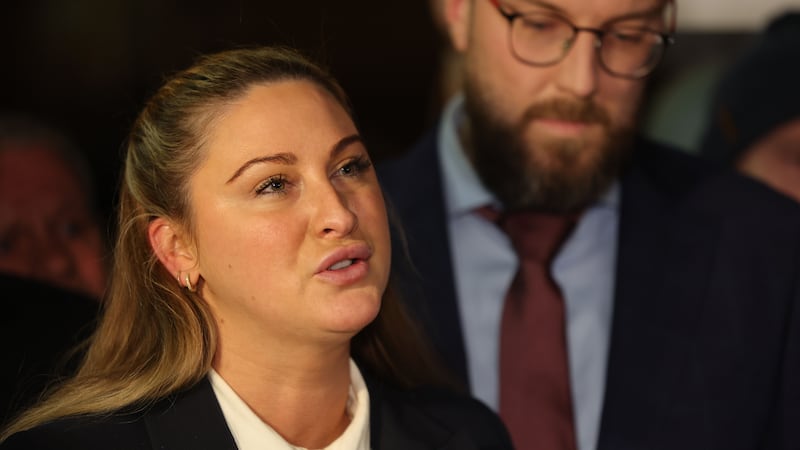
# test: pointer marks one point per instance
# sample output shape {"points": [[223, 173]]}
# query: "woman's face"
{"points": [[290, 228]]}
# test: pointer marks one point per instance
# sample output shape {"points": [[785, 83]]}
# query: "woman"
{"points": [[251, 264]]}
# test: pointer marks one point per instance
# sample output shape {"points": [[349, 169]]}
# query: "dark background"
{"points": [[86, 66]]}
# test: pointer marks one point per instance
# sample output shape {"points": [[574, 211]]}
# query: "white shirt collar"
{"points": [[251, 433]]}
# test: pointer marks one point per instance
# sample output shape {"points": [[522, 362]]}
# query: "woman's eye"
{"points": [[274, 185], [354, 167]]}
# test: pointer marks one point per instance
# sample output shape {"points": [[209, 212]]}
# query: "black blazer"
{"points": [[39, 326], [421, 419], [705, 341]]}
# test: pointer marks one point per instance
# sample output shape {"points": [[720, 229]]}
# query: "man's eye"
{"points": [[10, 242], [6, 246], [630, 36], [540, 25]]}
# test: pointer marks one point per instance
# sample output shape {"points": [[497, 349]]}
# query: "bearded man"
{"points": [[666, 312]]}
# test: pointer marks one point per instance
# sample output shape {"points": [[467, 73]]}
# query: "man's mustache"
{"points": [[586, 111]]}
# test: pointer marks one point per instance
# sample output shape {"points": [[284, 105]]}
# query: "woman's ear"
{"points": [[174, 250], [457, 19]]}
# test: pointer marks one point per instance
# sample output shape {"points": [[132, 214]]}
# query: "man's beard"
{"points": [[514, 170]]}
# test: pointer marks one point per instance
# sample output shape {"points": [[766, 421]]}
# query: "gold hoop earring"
{"points": [[188, 283]]}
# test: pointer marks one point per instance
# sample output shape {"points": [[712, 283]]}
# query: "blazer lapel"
{"points": [[194, 420], [190, 420]]}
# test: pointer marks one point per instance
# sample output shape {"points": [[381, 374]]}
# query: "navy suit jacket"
{"points": [[705, 340], [399, 420]]}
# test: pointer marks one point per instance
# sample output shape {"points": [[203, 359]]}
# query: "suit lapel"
{"points": [[191, 419]]}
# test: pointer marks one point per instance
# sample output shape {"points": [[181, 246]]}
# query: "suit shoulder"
{"points": [[669, 169], [451, 407], [398, 170], [707, 186], [121, 432], [459, 414]]}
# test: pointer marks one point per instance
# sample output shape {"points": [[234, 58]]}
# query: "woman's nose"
{"points": [[334, 216]]}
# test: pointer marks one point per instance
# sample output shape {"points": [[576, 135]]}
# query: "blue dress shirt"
{"points": [[584, 270]]}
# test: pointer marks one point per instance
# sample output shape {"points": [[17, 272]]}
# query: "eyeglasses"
{"points": [[543, 39]]}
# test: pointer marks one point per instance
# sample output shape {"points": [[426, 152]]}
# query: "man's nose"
{"points": [[578, 71], [56, 258]]}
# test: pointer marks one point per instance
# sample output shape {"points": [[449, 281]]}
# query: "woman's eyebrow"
{"points": [[344, 143], [277, 158], [290, 158]]}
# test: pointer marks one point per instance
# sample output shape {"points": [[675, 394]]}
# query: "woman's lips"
{"points": [[345, 265]]}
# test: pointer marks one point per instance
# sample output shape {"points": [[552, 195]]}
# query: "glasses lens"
{"points": [[540, 39], [631, 52]]}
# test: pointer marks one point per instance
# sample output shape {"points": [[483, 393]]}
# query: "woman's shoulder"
{"points": [[436, 415], [117, 431], [187, 419], [447, 404]]}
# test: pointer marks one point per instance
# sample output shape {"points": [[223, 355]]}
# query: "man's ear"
{"points": [[457, 18], [174, 250]]}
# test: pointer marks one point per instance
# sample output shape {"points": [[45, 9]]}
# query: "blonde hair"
{"points": [[155, 338]]}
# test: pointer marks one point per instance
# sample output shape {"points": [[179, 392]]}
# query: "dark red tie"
{"points": [[535, 396]]}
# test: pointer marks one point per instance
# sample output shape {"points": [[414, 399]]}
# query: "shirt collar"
{"points": [[463, 190], [251, 433]]}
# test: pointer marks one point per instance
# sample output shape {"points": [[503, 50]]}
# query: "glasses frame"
{"points": [[667, 39]]}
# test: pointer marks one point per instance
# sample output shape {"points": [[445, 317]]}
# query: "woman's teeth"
{"points": [[341, 264]]}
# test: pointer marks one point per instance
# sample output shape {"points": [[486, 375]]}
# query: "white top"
{"points": [[251, 433], [584, 270]]}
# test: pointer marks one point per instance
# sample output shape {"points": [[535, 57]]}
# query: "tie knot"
{"points": [[535, 235]]}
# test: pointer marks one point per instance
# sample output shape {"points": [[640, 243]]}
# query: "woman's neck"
{"points": [[302, 395]]}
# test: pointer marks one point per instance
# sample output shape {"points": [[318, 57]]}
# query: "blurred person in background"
{"points": [[51, 258], [754, 123], [49, 229]]}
